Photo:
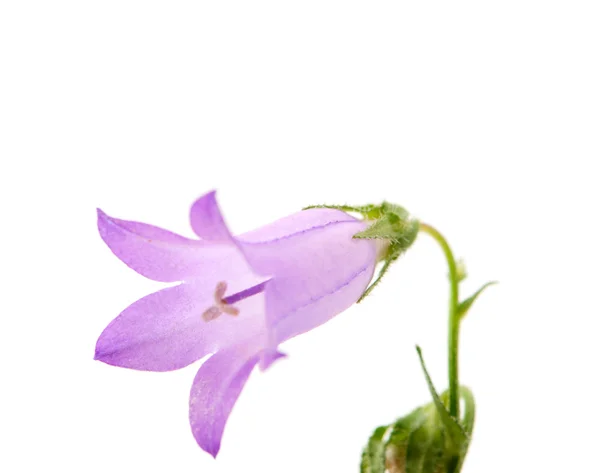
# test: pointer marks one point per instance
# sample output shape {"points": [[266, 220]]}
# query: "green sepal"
{"points": [[465, 305], [369, 211], [401, 212], [386, 265], [392, 227], [396, 227], [394, 251], [388, 222]]}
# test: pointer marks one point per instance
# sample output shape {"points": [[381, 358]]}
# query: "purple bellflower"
{"points": [[238, 298]]}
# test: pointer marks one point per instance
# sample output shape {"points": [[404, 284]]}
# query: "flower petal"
{"points": [[215, 390], [268, 357], [164, 256], [294, 316], [207, 221], [294, 224], [317, 274], [165, 330]]}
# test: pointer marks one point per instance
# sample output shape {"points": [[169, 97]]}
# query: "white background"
{"points": [[482, 118]]}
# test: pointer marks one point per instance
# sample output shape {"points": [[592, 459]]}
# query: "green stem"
{"points": [[453, 320]]}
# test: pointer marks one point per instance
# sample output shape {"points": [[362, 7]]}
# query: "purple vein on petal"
{"points": [[291, 235], [314, 300]]}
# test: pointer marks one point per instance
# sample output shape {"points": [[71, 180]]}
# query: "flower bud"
{"points": [[415, 443], [428, 440]]}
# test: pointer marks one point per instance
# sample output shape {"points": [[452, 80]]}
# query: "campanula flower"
{"points": [[238, 298]]}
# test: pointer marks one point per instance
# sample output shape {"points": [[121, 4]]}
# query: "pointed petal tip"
{"points": [[98, 357], [104, 352], [101, 214], [206, 219], [103, 220], [100, 354], [212, 450], [215, 390], [210, 445], [103, 359], [97, 351], [207, 196]]}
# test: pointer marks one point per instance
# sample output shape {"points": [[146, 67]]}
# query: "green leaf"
{"points": [[426, 451], [465, 305], [402, 440], [467, 421], [457, 437], [435, 458], [373, 456]]}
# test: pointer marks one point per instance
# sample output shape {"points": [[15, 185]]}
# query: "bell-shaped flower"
{"points": [[238, 297]]}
